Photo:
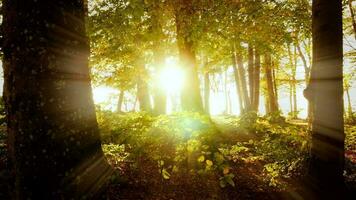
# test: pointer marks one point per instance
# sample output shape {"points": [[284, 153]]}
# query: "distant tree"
{"points": [[54, 141]]}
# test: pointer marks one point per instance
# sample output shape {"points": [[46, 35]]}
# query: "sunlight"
{"points": [[104, 96], [171, 77]]}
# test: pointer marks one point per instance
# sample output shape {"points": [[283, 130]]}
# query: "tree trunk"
{"points": [[352, 17], [305, 64], [160, 95], [120, 101], [142, 91], [272, 107], [275, 88], [190, 96], [251, 70], [54, 141], [325, 93], [238, 82], [242, 76], [226, 93], [349, 105], [294, 81], [207, 92], [256, 76]]}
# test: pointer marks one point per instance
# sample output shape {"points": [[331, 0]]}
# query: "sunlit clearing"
{"points": [[171, 77], [104, 96]]}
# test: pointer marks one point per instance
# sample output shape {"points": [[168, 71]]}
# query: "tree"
{"points": [[325, 93], [190, 95], [54, 141], [271, 88]]}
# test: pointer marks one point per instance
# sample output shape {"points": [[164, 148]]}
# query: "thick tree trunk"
{"points": [[207, 92], [190, 96], [120, 101], [251, 80], [256, 76], [271, 94], [54, 141], [238, 82], [325, 93]]}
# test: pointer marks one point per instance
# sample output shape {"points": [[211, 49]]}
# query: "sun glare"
{"points": [[104, 95], [171, 77]]}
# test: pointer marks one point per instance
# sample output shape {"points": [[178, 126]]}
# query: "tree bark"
{"points": [[251, 70], [160, 95], [207, 92], [325, 93], [120, 101], [142, 90], [242, 75], [256, 76], [272, 107], [190, 96], [238, 82], [349, 105], [54, 141]]}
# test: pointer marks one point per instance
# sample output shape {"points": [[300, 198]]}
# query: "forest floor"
{"points": [[186, 156]]}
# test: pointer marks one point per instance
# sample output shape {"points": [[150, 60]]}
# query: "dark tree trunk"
{"points": [[207, 92], [190, 96], [251, 70], [54, 141], [238, 82], [120, 101], [325, 93], [271, 95], [256, 76]]}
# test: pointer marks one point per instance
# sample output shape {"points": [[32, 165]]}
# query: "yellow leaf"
{"points": [[201, 158], [209, 162]]}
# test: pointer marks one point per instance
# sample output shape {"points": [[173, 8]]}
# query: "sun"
{"points": [[171, 77]]}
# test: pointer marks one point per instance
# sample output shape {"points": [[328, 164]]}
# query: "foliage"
{"points": [[189, 143]]}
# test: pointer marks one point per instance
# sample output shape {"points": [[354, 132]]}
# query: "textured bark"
{"points": [[238, 82], [190, 96], [251, 70], [54, 141], [256, 87], [271, 94], [120, 101], [207, 92], [325, 93]]}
